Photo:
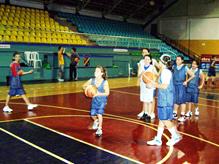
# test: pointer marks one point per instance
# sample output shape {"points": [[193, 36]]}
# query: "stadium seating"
{"points": [[19, 24]]}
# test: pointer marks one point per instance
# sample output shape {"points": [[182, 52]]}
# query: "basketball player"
{"points": [[99, 100], [193, 87], [16, 87], [180, 82], [165, 103]]}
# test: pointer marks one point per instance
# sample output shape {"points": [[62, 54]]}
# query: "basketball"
{"points": [[90, 91], [76, 60], [147, 77]]}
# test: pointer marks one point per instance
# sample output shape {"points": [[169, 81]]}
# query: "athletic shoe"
{"points": [[31, 106], [174, 140], [99, 132], [174, 115], [152, 116], [155, 141], [182, 118], [60, 80], [140, 115], [7, 109], [95, 125], [144, 116], [188, 114], [196, 112], [148, 119]]}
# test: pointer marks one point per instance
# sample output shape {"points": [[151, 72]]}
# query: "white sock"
{"points": [[159, 133], [173, 132]]}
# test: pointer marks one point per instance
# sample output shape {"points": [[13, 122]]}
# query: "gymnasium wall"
{"points": [[117, 63], [194, 23]]}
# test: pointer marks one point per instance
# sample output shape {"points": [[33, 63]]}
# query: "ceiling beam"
{"points": [[139, 8], [113, 7], [84, 3]]}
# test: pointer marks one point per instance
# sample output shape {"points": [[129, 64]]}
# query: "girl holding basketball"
{"points": [[146, 92], [99, 100], [165, 103]]}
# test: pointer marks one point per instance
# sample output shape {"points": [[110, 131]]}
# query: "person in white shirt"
{"points": [[146, 93]]}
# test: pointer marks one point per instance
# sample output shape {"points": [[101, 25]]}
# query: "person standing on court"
{"points": [[165, 102], [16, 86], [61, 63], [143, 114], [180, 70], [73, 68], [211, 71]]}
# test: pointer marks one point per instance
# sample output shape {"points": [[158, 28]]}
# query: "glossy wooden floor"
{"points": [[64, 110]]}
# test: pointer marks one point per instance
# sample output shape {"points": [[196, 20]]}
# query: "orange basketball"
{"points": [[76, 60], [90, 91], [147, 77]]}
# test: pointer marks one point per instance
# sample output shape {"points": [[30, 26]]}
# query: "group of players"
{"points": [[177, 85]]}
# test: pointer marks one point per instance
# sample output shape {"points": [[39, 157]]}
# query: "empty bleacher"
{"points": [[19, 24]]}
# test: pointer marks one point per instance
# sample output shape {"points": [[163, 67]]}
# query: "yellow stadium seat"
{"points": [[6, 38], [54, 40], [26, 33], [19, 38], [2, 31], [32, 39], [13, 38], [60, 40], [14, 32], [64, 41], [1, 38], [16, 23], [26, 39], [20, 33], [4, 22], [38, 39], [8, 32], [44, 40], [10, 23]]}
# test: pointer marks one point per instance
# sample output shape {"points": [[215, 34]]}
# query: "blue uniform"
{"points": [[192, 91], [179, 76], [211, 70], [99, 102], [165, 101]]}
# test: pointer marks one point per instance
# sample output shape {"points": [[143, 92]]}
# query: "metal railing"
{"points": [[177, 45]]}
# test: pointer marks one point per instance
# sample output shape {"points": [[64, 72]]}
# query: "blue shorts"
{"points": [[16, 91], [192, 97], [180, 94], [165, 113], [211, 72], [96, 111]]}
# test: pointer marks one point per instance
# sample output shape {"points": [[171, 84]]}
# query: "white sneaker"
{"points": [[140, 114], [188, 114], [95, 125], [182, 119], [99, 132], [152, 116], [155, 141], [60, 80], [31, 106], [174, 140], [7, 109], [196, 112]]}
